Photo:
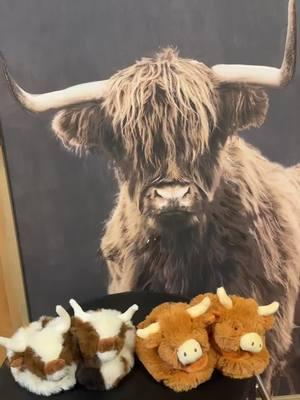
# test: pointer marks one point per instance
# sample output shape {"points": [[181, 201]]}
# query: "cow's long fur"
{"points": [[170, 118]]}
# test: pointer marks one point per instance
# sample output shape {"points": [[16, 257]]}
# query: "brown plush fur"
{"points": [[226, 333], [169, 119], [89, 341], [88, 372], [108, 344], [158, 352], [70, 351], [29, 360], [54, 366], [86, 336]]}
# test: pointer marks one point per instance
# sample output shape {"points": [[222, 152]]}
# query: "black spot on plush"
{"points": [[89, 377]]}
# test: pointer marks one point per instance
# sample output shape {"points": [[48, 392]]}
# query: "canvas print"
{"points": [[197, 207]]}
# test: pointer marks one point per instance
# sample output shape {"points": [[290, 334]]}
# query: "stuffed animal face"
{"points": [[173, 344], [103, 333], [43, 356], [106, 339], [239, 334]]}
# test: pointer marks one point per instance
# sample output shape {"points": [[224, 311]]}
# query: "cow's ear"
{"points": [[152, 341], [268, 322], [17, 362], [209, 319], [242, 107], [79, 127]]}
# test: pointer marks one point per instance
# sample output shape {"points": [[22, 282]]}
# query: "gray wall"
{"points": [[62, 201]]}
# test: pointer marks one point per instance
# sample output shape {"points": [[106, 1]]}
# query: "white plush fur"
{"points": [[106, 322], [112, 371], [130, 337], [43, 387], [107, 355], [18, 342], [47, 343], [112, 368]]}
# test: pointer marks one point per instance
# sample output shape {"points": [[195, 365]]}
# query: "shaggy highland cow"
{"points": [[198, 207]]}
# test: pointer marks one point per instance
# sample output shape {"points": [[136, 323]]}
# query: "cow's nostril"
{"points": [[184, 354], [252, 344], [195, 350], [156, 194], [187, 192]]}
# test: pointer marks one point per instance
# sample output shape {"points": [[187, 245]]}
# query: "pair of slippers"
{"points": [[181, 344], [94, 348]]}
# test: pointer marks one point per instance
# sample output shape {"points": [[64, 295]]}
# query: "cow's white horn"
{"points": [[16, 346], [65, 318], [149, 330], [263, 75], [199, 309], [78, 311], [224, 299], [270, 309], [85, 92], [127, 315]]}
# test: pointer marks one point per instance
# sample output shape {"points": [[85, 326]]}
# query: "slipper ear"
{"points": [[267, 313], [54, 366], [211, 318], [268, 322], [16, 362]]}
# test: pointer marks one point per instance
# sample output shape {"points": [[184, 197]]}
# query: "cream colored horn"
{"points": [[269, 309], [224, 299], [85, 92], [149, 330], [262, 75], [78, 311], [200, 308]]}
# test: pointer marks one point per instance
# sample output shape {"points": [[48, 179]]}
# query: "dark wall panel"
{"points": [[62, 201]]}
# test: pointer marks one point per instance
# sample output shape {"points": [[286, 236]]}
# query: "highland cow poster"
{"points": [[171, 131]]}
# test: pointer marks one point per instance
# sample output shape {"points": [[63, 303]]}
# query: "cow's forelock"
{"points": [[162, 107]]}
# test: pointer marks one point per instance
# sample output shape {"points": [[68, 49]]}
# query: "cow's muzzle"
{"points": [[251, 342], [189, 352], [171, 202]]}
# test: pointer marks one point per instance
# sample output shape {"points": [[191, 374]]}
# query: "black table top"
{"points": [[138, 384]]}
